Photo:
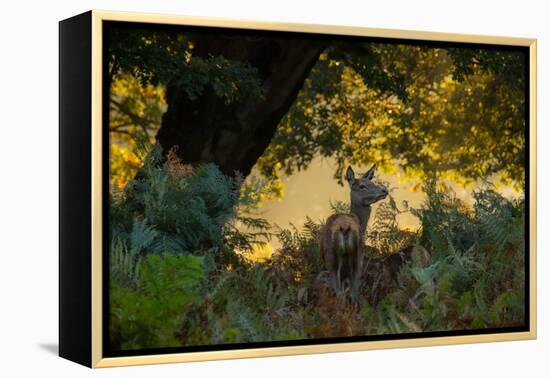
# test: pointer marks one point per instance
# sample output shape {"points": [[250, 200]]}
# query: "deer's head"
{"points": [[364, 192]]}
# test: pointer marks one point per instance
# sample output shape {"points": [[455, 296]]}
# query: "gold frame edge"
{"points": [[532, 114], [98, 16]]}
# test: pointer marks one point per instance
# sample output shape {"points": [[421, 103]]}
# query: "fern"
{"points": [[385, 234], [141, 237], [339, 207], [124, 266], [178, 276], [149, 314], [176, 208]]}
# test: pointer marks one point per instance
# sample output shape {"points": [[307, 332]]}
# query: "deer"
{"points": [[342, 241]]}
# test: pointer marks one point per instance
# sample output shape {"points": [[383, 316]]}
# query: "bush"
{"points": [[204, 292], [476, 275], [147, 306], [171, 227]]}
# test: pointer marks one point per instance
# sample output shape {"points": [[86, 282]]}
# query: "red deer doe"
{"points": [[342, 240]]}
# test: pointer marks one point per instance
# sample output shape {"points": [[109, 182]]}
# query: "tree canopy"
{"points": [[454, 112], [462, 121]]}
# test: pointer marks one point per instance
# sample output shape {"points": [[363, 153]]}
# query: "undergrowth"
{"points": [[179, 276]]}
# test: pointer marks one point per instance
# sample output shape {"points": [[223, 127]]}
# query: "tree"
{"points": [[234, 132], [277, 101], [226, 94]]}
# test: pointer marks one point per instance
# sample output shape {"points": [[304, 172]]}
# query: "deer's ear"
{"points": [[350, 175], [370, 173]]}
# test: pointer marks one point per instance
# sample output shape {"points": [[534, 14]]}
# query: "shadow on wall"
{"points": [[52, 348]]}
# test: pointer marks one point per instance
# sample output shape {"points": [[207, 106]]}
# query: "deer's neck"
{"points": [[363, 213]]}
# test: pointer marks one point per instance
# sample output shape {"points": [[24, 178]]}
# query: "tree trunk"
{"points": [[235, 135]]}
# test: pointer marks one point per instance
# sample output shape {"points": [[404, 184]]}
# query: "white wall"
{"points": [[28, 185]]}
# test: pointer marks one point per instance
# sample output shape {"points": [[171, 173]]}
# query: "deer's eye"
{"points": [[362, 187]]}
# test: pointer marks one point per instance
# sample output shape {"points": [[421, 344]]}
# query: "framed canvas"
{"points": [[235, 189]]}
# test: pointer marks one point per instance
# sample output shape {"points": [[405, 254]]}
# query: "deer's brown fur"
{"points": [[342, 238], [341, 249]]}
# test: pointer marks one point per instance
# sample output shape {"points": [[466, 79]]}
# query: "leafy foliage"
{"points": [[385, 233], [438, 96], [153, 56], [143, 65], [171, 227], [230, 80], [173, 207], [471, 282], [464, 269], [146, 309], [157, 57], [397, 105], [135, 111], [508, 65]]}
